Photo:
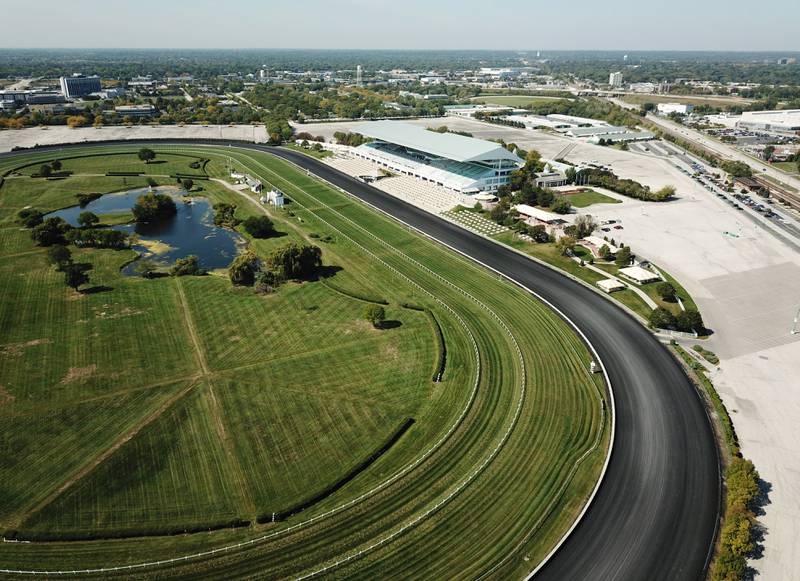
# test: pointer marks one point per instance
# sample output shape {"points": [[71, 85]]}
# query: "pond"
{"points": [[190, 231]]}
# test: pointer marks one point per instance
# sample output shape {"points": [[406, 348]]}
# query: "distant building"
{"points": [[680, 108], [79, 86], [136, 110], [615, 79], [783, 120]]}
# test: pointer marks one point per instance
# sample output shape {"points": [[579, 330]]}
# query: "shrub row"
{"points": [[357, 296], [736, 538], [441, 349], [45, 536], [412, 307], [124, 173], [55, 174], [331, 488]]}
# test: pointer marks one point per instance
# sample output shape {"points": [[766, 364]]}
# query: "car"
{"points": [[618, 227], [606, 229]]}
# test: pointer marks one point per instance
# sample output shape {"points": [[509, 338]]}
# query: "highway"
{"points": [[656, 512]]}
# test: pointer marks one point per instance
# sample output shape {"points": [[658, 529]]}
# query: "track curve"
{"points": [[656, 513]]}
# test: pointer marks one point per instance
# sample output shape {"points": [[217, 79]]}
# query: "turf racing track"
{"points": [[655, 514]]}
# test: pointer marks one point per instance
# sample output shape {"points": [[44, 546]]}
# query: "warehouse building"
{"points": [[786, 120], [462, 164]]}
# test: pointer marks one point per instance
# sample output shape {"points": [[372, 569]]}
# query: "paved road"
{"points": [[655, 515], [656, 512]]}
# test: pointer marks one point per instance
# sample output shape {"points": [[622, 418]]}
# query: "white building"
{"points": [[135, 110], [462, 164], [273, 197], [639, 275], [785, 120], [615, 79], [680, 108]]}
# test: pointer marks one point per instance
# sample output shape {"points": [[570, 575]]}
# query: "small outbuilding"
{"points": [[639, 275], [610, 285]]}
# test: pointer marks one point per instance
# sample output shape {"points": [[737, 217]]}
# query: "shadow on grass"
{"points": [[386, 325], [93, 290]]}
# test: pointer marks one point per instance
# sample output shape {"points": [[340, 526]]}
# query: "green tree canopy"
{"points": [[152, 207], [375, 314], [242, 271], [88, 219], [146, 154], [259, 226]]}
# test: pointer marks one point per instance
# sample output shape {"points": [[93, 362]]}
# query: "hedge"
{"points": [[441, 349], [45, 536]]}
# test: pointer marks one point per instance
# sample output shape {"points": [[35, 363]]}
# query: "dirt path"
{"points": [[187, 315]]}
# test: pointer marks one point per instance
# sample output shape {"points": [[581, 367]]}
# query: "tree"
{"points": [[56, 164], [661, 318], [623, 257], [689, 320], [50, 232], [30, 217], [188, 266], [375, 314], [74, 121], [666, 291], [545, 198], [224, 215], [75, 275], [565, 244], [59, 256], [604, 252], [45, 170], [539, 233], [188, 184], [152, 207], [294, 261], [664, 193], [585, 224], [769, 151], [259, 226], [146, 154], [88, 219], [561, 205], [242, 271], [145, 268]]}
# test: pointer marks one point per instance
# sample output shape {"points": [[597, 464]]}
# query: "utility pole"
{"points": [[795, 331]]}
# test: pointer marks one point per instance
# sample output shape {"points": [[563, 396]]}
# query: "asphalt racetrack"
{"points": [[655, 514]]}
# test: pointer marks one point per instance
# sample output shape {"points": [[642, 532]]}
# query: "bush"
{"points": [[561, 205], [153, 207], [259, 226], [188, 266], [85, 199]]}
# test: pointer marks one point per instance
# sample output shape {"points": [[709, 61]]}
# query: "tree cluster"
{"points": [[153, 207], [687, 321], [225, 215]]}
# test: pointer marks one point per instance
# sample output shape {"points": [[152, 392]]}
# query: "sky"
{"points": [[408, 24]]}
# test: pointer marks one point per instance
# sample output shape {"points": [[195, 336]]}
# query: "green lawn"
{"points": [[164, 164], [589, 197], [308, 151], [164, 404], [713, 100], [787, 166], [513, 100]]}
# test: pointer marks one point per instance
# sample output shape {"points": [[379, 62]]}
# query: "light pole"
{"points": [[795, 331]]}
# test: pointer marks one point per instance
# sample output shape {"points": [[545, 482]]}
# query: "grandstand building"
{"points": [[462, 164]]}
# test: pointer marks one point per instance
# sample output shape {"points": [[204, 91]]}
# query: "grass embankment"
{"points": [[736, 540], [787, 166], [309, 150], [548, 253], [712, 100], [168, 404]]}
